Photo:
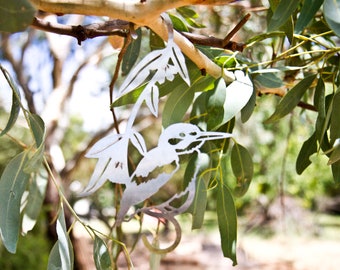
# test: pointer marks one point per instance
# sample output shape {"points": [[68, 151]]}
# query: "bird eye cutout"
{"points": [[174, 141], [182, 134]]}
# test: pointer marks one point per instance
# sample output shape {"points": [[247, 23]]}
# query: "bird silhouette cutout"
{"points": [[176, 140]]}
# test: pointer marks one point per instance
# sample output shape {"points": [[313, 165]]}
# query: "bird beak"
{"points": [[209, 135]]}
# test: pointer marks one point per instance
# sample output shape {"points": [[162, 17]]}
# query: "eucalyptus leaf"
{"points": [[177, 104], [335, 156], [197, 209], [36, 196], [187, 12], [335, 123], [15, 108], [267, 80], [15, 15], [37, 127], [307, 13], [237, 96], [227, 221], [242, 167], [178, 23], [331, 10], [61, 255], [308, 148], [291, 99], [13, 183], [215, 105], [101, 254], [282, 13], [132, 53], [320, 104], [336, 171], [248, 109]]}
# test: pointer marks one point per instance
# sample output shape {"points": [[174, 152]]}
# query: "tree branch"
{"points": [[137, 11], [143, 13], [81, 33]]}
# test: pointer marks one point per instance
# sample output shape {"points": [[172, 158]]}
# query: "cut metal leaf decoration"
{"points": [[112, 164], [156, 67]]}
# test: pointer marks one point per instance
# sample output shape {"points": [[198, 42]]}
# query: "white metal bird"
{"points": [[177, 139]]}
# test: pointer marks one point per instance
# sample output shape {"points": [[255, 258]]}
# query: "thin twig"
{"points": [[237, 28], [115, 77]]}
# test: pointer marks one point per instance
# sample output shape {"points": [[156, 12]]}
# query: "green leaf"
{"points": [[13, 183], [331, 10], [227, 222], [336, 171], [282, 13], [101, 254], [15, 109], [198, 207], [238, 94], [61, 255], [267, 80], [320, 104], [187, 12], [291, 99], [36, 196], [335, 123], [37, 126], [132, 53], [242, 167], [308, 148], [15, 15], [248, 109], [178, 24], [214, 105], [177, 104], [182, 96], [54, 262], [335, 156], [189, 15], [199, 111], [264, 36], [307, 13], [129, 98], [155, 41]]}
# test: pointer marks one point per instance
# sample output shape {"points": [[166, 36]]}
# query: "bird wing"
{"points": [[137, 193]]}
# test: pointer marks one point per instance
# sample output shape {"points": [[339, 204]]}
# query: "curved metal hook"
{"points": [[177, 230]]}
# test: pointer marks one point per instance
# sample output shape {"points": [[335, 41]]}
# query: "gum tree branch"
{"points": [[142, 13], [81, 33]]}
